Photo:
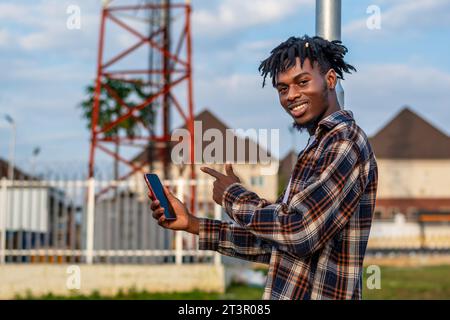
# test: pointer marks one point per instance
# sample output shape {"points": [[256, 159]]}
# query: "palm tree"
{"points": [[110, 108]]}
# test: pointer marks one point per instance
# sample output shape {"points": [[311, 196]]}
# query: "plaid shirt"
{"points": [[314, 244]]}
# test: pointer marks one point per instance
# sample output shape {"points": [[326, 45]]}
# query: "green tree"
{"points": [[132, 93]]}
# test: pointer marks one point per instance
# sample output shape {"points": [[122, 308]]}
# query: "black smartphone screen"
{"points": [[156, 188]]}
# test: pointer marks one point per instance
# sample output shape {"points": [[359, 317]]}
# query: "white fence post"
{"points": [[217, 216], [90, 221], [178, 234], [3, 213]]}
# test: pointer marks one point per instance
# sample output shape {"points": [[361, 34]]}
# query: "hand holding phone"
{"points": [[177, 216], [157, 191]]}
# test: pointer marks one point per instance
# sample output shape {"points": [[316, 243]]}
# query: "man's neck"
{"points": [[332, 109]]}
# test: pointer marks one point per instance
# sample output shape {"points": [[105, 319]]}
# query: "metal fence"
{"points": [[94, 221], [63, 220]]}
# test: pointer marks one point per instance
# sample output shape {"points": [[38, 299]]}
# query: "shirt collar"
{"points": [[334, 119]]}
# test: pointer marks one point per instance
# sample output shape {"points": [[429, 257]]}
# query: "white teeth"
{"points": [[300, 107]]}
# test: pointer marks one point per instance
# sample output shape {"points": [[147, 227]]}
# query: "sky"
{"points": [[45, 67]]}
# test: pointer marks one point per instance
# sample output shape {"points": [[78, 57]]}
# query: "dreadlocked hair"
{"points": [[328, 54]]}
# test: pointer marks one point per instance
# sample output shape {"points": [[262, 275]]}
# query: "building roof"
{"points": [[409, 136], [406, 136], [18, 174], [209, 121]]}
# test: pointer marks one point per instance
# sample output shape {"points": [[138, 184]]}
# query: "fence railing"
{"points": [[94, 221], [104, 221]]}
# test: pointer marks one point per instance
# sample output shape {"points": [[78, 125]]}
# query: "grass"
{"points": [[234, 292], [432, 282], [419, 283]]}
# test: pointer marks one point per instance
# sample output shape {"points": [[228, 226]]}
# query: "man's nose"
{"points": [[294, 93]]}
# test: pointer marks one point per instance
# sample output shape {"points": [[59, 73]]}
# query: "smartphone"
{"points": [[157, 191]]}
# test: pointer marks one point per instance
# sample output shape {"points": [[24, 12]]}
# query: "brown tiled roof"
{"points": [[406, 136], [409, 136], [209, 121], [18, 174]]}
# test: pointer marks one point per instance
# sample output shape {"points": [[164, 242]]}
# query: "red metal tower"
{"points": [[172, 70]]}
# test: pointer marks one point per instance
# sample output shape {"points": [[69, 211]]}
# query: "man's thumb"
{"points": [[168, 192]]}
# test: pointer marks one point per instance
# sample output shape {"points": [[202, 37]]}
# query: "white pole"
{"points": [[178, 234], [33, 165], [13, 152], [12, 149], [34, 156], [90, 221], [217, 216], [328, 19], [3, 213], [328, 26]]}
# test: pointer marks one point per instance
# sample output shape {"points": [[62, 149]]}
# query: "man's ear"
{"points": [[331, 79]]}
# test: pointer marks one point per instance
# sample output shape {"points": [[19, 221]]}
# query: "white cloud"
{"points": [[13, 12], [250, 53], [36, 40], [406, 17], [5, 38], [259, 44], [232, 15], [43, 24], [377, 92], [25, 71]]}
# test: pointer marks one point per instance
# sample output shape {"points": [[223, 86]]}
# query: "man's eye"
{"points": [[303, 82], [282, 90]]}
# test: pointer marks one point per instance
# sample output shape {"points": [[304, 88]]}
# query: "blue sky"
{"points": [[46, 66]]}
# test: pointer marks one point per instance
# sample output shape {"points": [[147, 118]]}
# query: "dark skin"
{"points": [[185, 220], [295, 86], [307, 84]]}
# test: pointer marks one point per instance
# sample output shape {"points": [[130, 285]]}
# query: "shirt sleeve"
{"points": [[232, 240], [315, 214]]}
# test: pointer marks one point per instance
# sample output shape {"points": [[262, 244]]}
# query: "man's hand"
{"points": [[185, 220], [223, 181]]}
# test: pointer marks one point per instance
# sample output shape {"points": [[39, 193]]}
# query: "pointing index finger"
{"points": [[212, 172]]}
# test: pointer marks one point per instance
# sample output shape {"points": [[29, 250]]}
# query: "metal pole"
{"points": [[13, 152], [166, 13], [98, 87], [190, 124], [217, 216], [12, 149], [36, 152], [90, 221], [328, 26], [3, 213], [178, 234], [328, 19]]}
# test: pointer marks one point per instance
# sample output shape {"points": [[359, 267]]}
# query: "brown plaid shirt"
{"points": [[314, 244]]}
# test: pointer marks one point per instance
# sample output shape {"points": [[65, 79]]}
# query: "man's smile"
{"points": [[298, 109]]}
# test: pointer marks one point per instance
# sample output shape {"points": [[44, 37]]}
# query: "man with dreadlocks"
{"points": [[314, 236]]}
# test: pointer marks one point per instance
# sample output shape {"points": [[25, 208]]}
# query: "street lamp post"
{"points": [[36, 152], [12, 147], [328, 26]]}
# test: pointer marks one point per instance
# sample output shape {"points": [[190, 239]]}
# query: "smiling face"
{"points": [[304, 93]]}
